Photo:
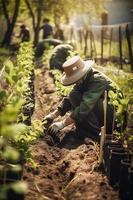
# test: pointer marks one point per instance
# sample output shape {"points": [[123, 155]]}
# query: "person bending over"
{"points": [[85, 101]]}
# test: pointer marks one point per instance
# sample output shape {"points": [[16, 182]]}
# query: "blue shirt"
{"points": [[47, 31]]}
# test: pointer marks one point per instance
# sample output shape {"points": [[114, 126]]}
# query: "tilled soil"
{"points": [[66, 171]]}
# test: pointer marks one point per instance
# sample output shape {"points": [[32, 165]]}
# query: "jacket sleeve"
{"points": [[64, 106], [96, 88]]}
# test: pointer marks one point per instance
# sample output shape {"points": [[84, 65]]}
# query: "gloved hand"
{"points": [[56, 127], [47, 120]]}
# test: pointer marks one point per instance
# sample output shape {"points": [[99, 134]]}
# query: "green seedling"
{"points": [[15, 137]]}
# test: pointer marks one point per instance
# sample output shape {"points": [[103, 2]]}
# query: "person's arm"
{"points": [[51, 116], [55, 114], [61, 110], [64, 106]]}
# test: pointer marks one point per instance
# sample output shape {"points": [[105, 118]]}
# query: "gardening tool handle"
{"points": [[105, 110], [103, 129], [102, 137]]}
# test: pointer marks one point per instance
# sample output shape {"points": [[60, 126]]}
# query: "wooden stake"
{"points": [[102, 43], [129, 46], [110, 42], [103, 129], [120, 47]]}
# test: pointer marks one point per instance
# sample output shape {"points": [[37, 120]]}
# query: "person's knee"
{"points": [[75, 98]]}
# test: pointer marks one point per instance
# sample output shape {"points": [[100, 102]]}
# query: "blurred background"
{"points": [[100, 29]]}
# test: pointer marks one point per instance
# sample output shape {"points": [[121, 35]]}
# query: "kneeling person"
{"points": [[85, 101]]}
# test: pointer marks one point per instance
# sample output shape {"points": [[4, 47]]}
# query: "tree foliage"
{"points": [[57, 10], [64, 9]]}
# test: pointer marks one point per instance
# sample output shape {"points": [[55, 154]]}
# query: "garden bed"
{"points": [[64, 172]]}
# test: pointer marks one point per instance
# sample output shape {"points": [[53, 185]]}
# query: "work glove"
{"points": [[56, 127], [47, 120]]}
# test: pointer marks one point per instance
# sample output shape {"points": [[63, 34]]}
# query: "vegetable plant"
{"points": [[14, 135]]}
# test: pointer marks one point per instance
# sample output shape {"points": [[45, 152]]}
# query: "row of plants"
{"points": [[16, 108], [62, 90], [118, 147], [25, 61]]}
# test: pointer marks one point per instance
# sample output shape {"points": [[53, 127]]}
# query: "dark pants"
{"points": [[91, 124]]}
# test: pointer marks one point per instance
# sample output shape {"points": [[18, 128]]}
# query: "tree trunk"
{"points": [[36, 19], [36, 36], [37, 28], [10, 23]]}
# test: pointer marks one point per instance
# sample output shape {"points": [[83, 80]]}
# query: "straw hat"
{"points": [[74, 69]]}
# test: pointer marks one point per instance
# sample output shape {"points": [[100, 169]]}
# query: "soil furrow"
{"points": [[64, 172]]}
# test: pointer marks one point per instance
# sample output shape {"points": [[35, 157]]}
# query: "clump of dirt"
{"points": [[66, 171]]}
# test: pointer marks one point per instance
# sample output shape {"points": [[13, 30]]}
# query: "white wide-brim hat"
{"points": [[74, 69]]}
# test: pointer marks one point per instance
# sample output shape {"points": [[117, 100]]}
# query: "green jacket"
{"points": [[92, 89]]}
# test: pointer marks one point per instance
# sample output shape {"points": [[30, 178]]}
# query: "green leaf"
{"points": [[124, 102], [115, 103], [120, 109], [9, 79], [2, 94], [111, 93], [20, 187], [23, 117], [1, 141], [8, 66], [11, 154], [15, 78], [15, 167], [14, 130]]}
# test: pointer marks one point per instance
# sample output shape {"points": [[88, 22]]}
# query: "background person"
{"points": [[24, 33], [59, 56], [47, 29]]}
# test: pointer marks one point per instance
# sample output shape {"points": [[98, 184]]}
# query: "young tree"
{"points": [[10, 20]]}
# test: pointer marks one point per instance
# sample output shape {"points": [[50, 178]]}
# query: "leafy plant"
{"points": [[14, 84], [120, 106], [62, 90]]}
